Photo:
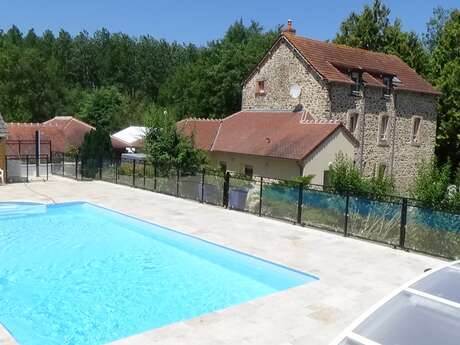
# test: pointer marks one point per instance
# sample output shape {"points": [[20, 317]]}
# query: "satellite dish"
{"points": [[295, 90]]}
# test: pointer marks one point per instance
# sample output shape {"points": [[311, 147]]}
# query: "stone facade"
{"points": [[397, 154]]}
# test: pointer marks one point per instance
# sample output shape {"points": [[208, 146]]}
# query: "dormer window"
{"points": [[388, 82], [260, 87], [356, 77]]}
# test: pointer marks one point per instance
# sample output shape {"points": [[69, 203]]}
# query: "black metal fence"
{"points": [[392, 220], [23, 168]]}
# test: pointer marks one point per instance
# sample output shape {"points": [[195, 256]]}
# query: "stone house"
{"points": [[389, 108]]}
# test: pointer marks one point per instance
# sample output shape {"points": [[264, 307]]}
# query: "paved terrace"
{"points": [[353, 274]]}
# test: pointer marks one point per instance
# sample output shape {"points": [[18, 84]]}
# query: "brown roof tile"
{"points": [[203, 131], [330, 60], [285, 135]]}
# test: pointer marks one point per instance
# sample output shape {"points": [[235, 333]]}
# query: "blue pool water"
{"points": [[80, 274]]}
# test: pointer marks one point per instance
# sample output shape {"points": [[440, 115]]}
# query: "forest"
{"points": [[112, 80]]}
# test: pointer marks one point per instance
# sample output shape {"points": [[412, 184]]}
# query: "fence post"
{"points": [[116, 171], [76, 167], [47, 162], [300, 203], [347, 204], [6, 169], [202, 185], [177, 181], [260, 195], [154, 177], [134, 172], [100, 168], [402, 230], [144, 171], [63, 164], [27, 168], [226, 189]]}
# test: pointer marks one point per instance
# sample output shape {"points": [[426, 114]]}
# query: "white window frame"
{"points": [[383, 135], [415, 137]]}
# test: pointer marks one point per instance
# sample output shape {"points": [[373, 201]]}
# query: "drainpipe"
{"points": [[392, 156], [362, 130], [299, 163]]}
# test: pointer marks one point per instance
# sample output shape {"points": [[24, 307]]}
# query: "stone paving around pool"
{"points": [[353, 274]]}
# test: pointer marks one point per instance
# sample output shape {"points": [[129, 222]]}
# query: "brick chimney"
{"points": [[288, 29]]}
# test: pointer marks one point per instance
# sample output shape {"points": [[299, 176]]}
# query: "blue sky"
{"points": [[199, 21]]}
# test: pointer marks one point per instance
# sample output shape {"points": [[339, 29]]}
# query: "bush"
{"points": [[344, 177]]}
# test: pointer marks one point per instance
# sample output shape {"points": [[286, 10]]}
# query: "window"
{"points": [[416, 125], [381, 171], [383, 128], [260, 87], [248, 170], [387, 81], [356, 77], [352, 122], [223, 166]]}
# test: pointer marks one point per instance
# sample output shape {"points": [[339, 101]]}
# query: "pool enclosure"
{"points": [[423, 312]]}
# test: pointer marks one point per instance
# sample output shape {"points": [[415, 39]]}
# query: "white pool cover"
{"points": [[423, 312]]}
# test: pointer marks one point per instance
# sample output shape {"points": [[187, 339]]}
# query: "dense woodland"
{"points": [[112, 80]]}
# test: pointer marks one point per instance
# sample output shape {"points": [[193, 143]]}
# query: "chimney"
{"points": [[288, 29]]}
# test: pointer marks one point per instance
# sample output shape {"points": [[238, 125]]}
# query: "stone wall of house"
{"points": [[398, 153], [283, 68], [279, 72], [407, 154]]}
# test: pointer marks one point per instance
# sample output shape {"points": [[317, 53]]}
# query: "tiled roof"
{"points": [[203, 131], [332, 60], [61, 131], [3, 129], [285, 135]]}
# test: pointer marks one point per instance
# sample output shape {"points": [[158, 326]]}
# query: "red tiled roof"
{"points": [[269, 134], [329, 59], [332, 62], [203, 131], [26, 132], [61, 131]]}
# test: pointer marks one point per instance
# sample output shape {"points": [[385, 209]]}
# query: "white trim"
{"points": [[433, 297], [362, 340]]}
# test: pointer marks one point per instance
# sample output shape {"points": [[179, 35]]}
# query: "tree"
{"points": [[168, 148], [210, 86], [103, 108], [435, 26], [445, 74], [372, 30], [96, 147]]}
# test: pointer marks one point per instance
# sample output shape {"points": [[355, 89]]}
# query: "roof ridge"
{"points": [[342, 45]]}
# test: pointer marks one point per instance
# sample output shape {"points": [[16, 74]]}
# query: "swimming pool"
{"points": [[77, 273]]}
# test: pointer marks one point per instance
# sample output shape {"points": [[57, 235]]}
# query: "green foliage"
{"points": [[96, 147], [296, 181], [445, 73], [372, 30], [344, 177], [166, 147], [210, 85], [104, 108], [432, 184]]}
